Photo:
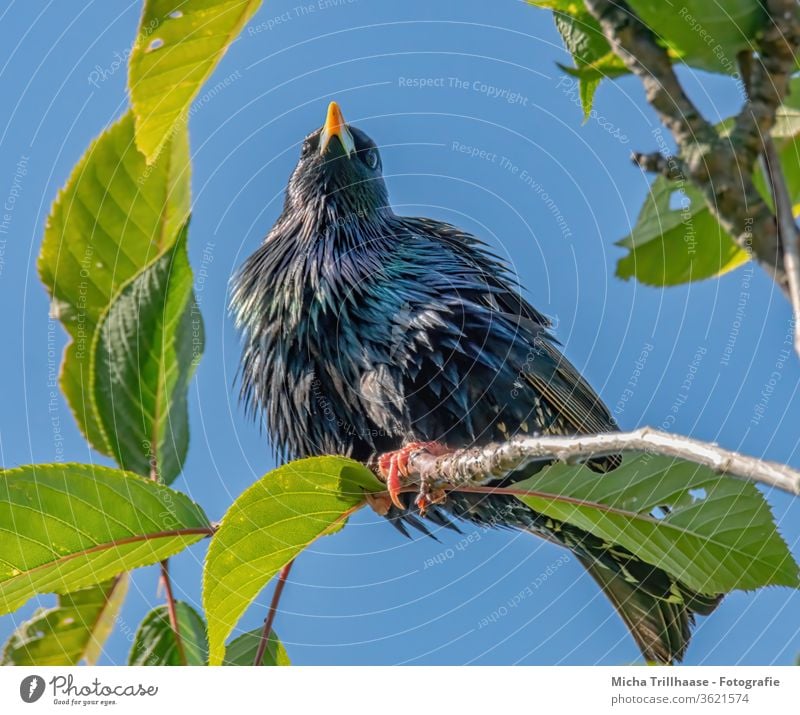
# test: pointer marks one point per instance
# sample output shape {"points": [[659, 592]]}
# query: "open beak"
{"points": [[335, 126]]}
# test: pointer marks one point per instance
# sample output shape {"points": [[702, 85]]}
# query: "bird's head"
{"points": [[339, 173]]}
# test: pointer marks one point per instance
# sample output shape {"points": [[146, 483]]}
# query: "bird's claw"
{"points": [[393, 467]]}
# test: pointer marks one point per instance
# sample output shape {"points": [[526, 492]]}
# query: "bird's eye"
{"points": [[306, 148], [371, 158]]}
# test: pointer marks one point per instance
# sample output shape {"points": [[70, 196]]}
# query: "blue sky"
{"points": [[425, 80]]}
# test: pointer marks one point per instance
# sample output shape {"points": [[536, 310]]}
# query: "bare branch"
{"points": [[478, 465], [720, 167]]}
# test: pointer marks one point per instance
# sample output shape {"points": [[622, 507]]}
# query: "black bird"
{"points": [[365, 332]]}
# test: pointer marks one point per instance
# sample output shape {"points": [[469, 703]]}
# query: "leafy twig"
{"points": [[273, 609], [478, 465], [720, 167]]}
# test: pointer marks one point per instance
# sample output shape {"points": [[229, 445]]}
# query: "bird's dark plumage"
{"points": [[364, 330]]}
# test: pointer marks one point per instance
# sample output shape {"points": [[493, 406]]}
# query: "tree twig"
{"points": [[273, 610], [172, 608], [478, 465], [787, 229], [788, 236], [720, 167]]}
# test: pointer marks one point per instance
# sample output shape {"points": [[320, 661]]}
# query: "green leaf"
{"points": [[176, 50], [268, 526], [715, 534], [706, 35], [155, 642], [72, 632], [148, 344], [114, 216], [669, 246], [66, 526], [593, 57], [700, 33], [242, 650]]}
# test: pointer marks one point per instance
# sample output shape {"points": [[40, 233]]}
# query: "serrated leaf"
{"points": [[704, 34], [679, 243], [591, 53], [715, 534], [113, 217], [243, 650], [155, 642], [148, 344], [176, 50], [66, 526], [267, 526], [72, 632]]}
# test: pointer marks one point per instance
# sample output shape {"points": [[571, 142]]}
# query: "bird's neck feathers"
{"points": [[313, 263]]}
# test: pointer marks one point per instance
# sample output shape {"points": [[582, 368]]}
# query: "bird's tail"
{"points": [[657, 608]]}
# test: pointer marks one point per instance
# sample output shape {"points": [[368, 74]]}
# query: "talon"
{"points": [[393, 467], [394, 484]]}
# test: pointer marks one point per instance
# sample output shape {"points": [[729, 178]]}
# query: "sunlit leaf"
{"points": [[66, 526], [676, 239], [73, 631], [267, 526], [715, 534], [114, 216], [706, 35], [177, 48]]}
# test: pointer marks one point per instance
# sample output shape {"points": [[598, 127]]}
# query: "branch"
{"points": [[720, 167], [173, 612], [172, 609], [769, 78], [478, 465], [273, 610]]}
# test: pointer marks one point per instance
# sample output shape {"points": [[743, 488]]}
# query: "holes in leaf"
{"points": [[175, 14], [659, 512], [155, 44], [698, 494]]}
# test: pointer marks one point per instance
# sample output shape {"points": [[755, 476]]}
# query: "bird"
{"points": [[370, 334]]}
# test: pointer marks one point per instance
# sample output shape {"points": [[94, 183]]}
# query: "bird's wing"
{"points": [[557, 380], [567, 393]]}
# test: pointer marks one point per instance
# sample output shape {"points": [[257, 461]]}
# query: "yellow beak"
{"points": [[335, 126]]}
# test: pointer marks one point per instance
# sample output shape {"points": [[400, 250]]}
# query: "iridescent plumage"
{"points": [[364, 330]]}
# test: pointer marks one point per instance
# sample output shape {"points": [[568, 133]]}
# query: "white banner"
{"points": [[352, 691]]}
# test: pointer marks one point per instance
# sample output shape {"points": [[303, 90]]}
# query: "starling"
{"points": [[368, 334]]}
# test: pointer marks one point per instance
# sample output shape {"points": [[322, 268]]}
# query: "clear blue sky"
{"points": [[365, 595]]}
